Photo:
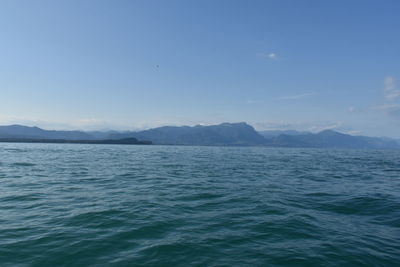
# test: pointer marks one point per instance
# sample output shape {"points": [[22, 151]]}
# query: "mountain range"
{"points": [[225, 134]]}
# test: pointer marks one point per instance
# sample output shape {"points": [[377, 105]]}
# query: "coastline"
{"points": [[127, 141]]}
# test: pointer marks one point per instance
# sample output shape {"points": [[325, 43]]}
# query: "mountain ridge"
{"points": [[224, 134]]}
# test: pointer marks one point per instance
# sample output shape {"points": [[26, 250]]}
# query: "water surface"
{"points": [[116, 205]]}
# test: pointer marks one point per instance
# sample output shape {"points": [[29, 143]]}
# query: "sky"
{"points": [[128, 65]]}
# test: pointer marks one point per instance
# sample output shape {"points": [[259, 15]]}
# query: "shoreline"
{"points": [[127, 141]]}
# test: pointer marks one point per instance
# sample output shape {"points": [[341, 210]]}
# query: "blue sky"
{"points": [[306, 65]]}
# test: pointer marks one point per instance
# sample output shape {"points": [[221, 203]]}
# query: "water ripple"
{"points": [[85, 205]]}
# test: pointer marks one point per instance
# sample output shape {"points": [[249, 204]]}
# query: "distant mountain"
{"points": [[333, 139], [101, 135], [232, 134], [225, 134], [284, 140], [19, 131], [275, 133]]}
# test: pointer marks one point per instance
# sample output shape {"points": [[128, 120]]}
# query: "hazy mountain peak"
{"points": [[222, 134], [21, 131]]}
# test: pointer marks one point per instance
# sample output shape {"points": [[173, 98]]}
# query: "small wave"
{"points": [[16, 150], [365, 205], [23, 164], [196, 197], [19, 198]]}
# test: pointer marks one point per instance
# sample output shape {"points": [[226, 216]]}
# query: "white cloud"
{"points": [[391, 93], [390, 88], [273, 56], [270, 55]]}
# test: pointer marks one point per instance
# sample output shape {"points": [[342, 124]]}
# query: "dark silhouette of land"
{"points": [[125, 141]]}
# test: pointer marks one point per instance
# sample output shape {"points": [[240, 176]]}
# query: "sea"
{"points": [[136, 205]]}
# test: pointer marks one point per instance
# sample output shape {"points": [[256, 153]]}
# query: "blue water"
{"points": [[115, 205]]}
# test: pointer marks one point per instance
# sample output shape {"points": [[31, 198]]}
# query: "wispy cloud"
{"points": [[390, 89], [251, 101], [391, 93], [294, 97], [391, 109]]}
